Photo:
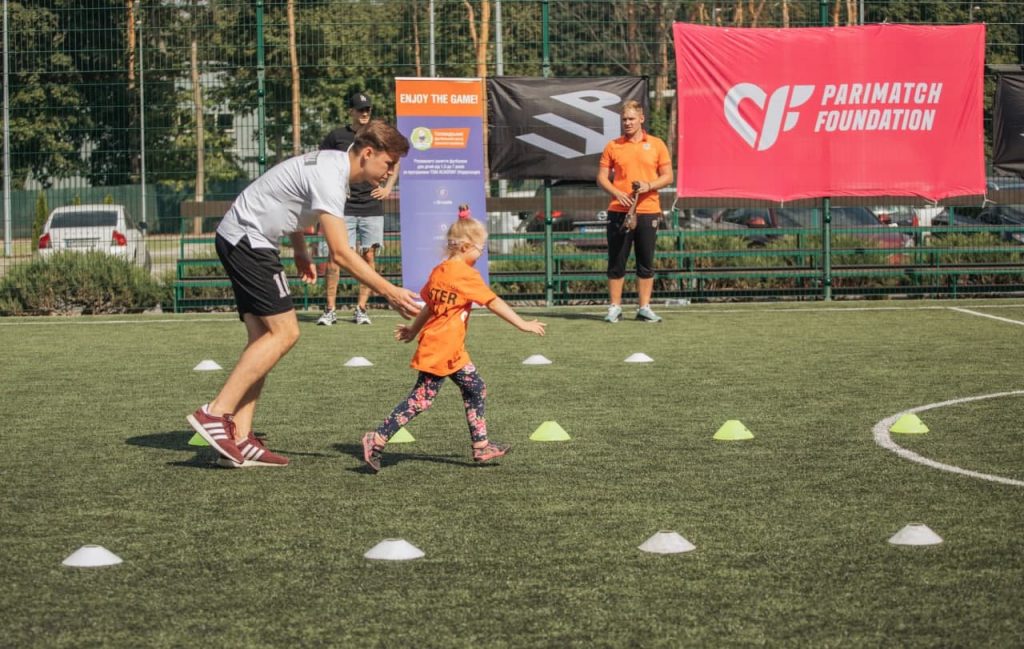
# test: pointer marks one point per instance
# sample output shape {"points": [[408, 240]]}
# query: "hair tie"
{"points": [[464, 211]]}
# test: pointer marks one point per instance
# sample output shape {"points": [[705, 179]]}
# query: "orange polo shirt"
{"points": [[450, 291], [635, 161]]}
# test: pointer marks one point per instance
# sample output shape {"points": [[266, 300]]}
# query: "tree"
{"points": [[48, 111], [293, 59]]}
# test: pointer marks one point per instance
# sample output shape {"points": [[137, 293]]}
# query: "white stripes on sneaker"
{"points": [[250, 451]]}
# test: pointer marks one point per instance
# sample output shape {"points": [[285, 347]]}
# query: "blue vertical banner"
{"points": [[444, 121]]}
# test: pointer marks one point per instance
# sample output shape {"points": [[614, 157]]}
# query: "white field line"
{"points": [[883, 439], [14, 321], [986, 315], [85, 320]]}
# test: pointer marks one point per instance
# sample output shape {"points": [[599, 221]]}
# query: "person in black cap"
{"points": [[364, 212]]}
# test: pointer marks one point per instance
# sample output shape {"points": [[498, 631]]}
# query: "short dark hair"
{"points": [[381, 136]]}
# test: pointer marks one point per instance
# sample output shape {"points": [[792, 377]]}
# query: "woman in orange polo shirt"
{"points": [[450, 292]]}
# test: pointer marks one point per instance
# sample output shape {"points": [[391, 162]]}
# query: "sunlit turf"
{"points": [[540, 549]]}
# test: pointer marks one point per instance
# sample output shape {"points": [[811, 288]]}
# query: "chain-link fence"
{"points": [[170, 107]]}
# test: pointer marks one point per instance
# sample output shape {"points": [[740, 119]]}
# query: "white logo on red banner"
{"points": [[781, 99], [902, 97]]}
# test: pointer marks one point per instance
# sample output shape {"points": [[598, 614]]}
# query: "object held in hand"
{"points": [[629, 223]]}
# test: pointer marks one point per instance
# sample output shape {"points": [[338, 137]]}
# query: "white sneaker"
{"points": [[614, 313], [646, 314], [328, 318], [360, 317]]}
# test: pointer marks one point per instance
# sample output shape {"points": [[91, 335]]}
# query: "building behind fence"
{"points": [[171, 107]]}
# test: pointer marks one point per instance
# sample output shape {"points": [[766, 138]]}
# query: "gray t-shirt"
{"points": [[288, 198]]}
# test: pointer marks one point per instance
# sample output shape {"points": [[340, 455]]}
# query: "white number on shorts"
{"points": [[282, 284]]}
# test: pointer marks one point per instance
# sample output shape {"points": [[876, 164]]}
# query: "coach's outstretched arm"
{"points": [[333, 228]]}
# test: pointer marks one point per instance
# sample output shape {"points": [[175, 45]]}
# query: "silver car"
{"points": [[102, 228]]}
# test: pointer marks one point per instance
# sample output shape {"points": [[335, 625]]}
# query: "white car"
{"points": [[907, 216], [102, 228]]}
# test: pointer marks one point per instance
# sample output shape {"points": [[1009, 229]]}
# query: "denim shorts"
{"points": [[365, 232]]}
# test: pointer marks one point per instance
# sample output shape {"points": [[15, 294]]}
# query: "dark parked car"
{"points": [[863, 221], [575, 206], [1005, 215], [580, 206], [1004, 183], [958, 220]]}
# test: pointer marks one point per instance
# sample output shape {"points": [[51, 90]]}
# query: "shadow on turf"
{"points": [[554, 315], [177, 440], [392, 458]]}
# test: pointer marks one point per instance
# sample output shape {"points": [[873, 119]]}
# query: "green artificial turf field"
{"points": [[540, 549]]}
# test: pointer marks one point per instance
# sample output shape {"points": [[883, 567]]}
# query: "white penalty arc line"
{"points": [[883, 439], [986, 315]]}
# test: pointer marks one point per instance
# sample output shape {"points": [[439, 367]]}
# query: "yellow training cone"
{"points": [[403, 436], [550, 431], [197, 440], [908, 424], [733, 430]]}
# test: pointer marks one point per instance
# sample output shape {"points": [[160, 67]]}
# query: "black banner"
{"points": [[1008, 125], [555, 128]]}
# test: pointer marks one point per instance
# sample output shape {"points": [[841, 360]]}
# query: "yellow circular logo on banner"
{"points": [[421, 138]]}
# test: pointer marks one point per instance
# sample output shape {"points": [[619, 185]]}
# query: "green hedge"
{"points": [[69, 283]]}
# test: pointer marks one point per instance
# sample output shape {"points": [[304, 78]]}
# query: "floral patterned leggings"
{"points": [[474, 393]]}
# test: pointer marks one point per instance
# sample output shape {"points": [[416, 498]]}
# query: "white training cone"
{"points": [[666, 542], [207, 366], [639, 357], [91, 556], [915, 534], [537, 359], [357, 361], [394, 550]]}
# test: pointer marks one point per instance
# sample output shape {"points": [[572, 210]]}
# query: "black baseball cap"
{"points": [[360, 101]]}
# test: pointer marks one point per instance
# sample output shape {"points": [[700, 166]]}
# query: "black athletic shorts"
{"points": [[257, 278], [644, 237]]}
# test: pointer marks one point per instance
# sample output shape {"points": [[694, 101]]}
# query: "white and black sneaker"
{"points": [[360, 317], [328, 318]]}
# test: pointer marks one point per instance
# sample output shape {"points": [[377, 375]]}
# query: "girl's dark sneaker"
{"points": [[371, 452]]}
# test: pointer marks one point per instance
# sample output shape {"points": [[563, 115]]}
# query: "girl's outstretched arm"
{"points": [[500, 308], [407, 332]]}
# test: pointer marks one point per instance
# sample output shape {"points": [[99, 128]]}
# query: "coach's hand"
{"points": [[307, 269], [404, 301]]}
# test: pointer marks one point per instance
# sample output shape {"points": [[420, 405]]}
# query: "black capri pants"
{"points": [[644, 237]]}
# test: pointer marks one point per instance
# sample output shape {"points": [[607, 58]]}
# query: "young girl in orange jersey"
{"points": [[453, 287]]}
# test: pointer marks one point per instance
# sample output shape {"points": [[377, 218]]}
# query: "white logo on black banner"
{"points": [[594, 102]]}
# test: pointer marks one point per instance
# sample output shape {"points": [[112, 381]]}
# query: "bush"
{"points": [[69, 283]]}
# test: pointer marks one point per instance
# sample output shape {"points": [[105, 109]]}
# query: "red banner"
{"points": [[877, 110]]}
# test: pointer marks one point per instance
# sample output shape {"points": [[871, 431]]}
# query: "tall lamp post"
{"points": [[8, 250]]}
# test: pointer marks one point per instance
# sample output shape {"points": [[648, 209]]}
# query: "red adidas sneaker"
{"points": [[219, 432]]}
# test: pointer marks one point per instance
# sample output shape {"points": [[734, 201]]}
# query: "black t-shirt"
{"points": [[359, 202]]}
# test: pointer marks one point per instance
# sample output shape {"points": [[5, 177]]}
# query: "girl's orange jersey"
{"points": [[450, 292]]}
